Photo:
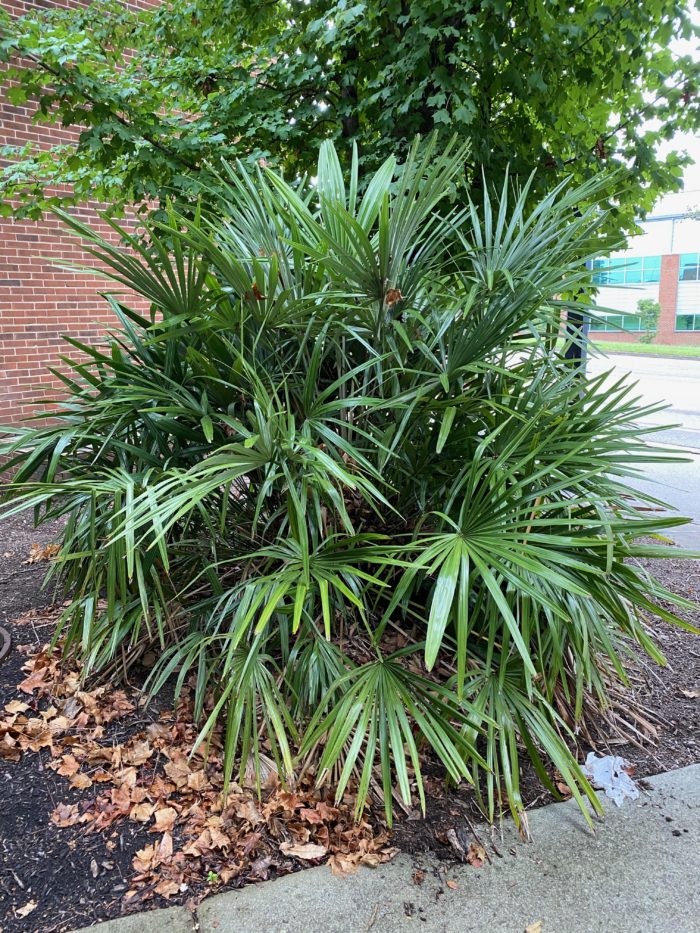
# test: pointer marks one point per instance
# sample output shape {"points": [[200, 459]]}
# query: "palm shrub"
{"points": [[343, 482]]}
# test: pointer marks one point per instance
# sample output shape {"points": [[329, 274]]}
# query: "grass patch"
{"points": [[649, 349]]}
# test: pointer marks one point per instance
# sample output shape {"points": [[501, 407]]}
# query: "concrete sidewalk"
{"points": [[639, 873]]}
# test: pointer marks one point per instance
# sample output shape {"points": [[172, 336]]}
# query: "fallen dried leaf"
{"points": [[238, 837], [139, 753], [691, 694], [259, 868], [27, 909], [342, 865], [141, 812], [246, 810], [38, 552], [452, 885], [37, 680], [40, 739], [9, 750], [311, 816], [167, 888], [101, 776], [144, 858], [327, 812], [535, 927], [476, 855], [65, 814], [80, 781], [178, 772], [72, 707], [451, 838], [164, 820], [127, 777], [197, 780], [69, 766], [307, 852], [165, 848]]}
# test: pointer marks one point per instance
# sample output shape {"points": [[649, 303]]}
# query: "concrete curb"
{"points": [[170, 920], [639, 872]]}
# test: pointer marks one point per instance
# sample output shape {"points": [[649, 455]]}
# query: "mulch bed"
{"points": [[102, 838]]}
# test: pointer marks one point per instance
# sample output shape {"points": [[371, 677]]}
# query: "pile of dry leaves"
{"points": [[146, 772]]}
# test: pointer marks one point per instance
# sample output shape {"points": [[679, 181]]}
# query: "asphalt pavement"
{"points": [[676, 382]]}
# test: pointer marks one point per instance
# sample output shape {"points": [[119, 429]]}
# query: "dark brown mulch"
{"points": [[75, 880], [669, 692], [145, 825], [20, 583], [39, 862]]}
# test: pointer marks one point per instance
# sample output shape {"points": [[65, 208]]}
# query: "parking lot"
{"points": [[676, 381]]}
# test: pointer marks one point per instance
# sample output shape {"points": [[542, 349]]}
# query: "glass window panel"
{"points": [[687, 321], [616, 277], [599, 276], [689, 267], [633, 271], [651, 269], [616, 274], [632, 322]]}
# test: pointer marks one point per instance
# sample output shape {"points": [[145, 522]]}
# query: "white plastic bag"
{"points": [[608, 774]]}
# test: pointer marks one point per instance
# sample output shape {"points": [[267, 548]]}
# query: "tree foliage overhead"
{"points": [[342, 481], [545, 85]]}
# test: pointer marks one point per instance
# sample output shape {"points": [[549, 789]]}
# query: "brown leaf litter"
{"points": [[153, 776], [41, 552]]}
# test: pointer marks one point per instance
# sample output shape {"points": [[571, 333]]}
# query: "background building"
{"points": [[662, 263]]}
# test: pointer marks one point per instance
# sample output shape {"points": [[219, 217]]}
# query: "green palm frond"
{"points": [[382, 707], [341, 479]]}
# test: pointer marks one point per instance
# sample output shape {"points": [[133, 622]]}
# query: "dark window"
{"points": [[688, 321], [689, 270]]}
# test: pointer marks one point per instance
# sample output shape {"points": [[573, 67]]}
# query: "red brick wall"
{"points": [[668, 299], [38, 301]]}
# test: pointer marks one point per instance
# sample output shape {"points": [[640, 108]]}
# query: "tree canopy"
{"points": [[164, 92]]}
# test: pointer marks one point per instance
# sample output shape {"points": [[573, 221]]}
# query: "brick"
{"points": [[38, 301]]}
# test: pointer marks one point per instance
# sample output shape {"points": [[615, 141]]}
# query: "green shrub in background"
{"points": [[649, 311], [344, 483]]}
